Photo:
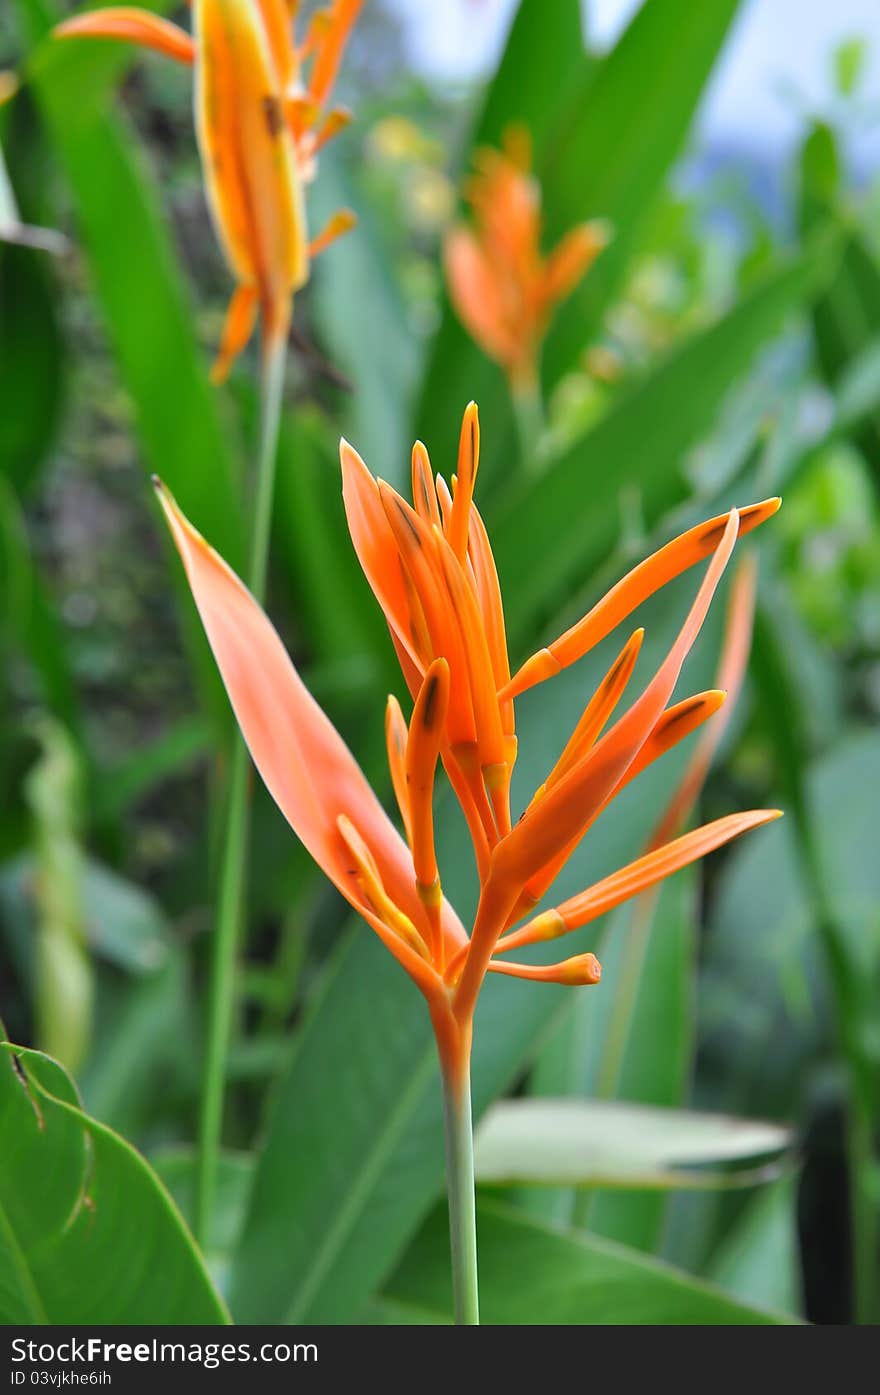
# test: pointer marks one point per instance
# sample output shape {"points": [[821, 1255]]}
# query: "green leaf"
{"points": [[637, 452], [606, 1143], [764, 994], [87, 1232], [612, 156], [572, 1278], [758, 1260], [31, 362]]}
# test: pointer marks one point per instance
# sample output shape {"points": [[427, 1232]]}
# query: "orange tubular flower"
{"points": [[502, 287], [260, 123], [432, 571]]}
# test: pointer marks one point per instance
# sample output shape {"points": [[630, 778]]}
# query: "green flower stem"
{"points": [[460, 1188], [235, 843], [528, 410]]}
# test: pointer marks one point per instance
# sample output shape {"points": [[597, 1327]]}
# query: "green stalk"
{"points": [[528, 411], [462, 1202], [235, 842]]}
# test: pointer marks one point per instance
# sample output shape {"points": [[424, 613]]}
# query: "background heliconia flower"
{"points": [[261, 119], [432, 571], [504, 289]]}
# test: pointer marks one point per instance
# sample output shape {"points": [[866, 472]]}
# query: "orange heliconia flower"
{"points": [[260, 121], [431, 568], [502, 287]]}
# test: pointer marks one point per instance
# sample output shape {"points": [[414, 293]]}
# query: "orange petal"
{"points": [[474, 292], [674, 725], [581, 970], [237, 330], [279, 33], [648, 577], [337, 121], [133, 26], [330, 45], [597, 710], [376, 549], [635, 878], [423, 492], [571, 258], [250, 167], [337, 226], [558, 818], [395, 743], [468, 464], [735, 648], [305, 764], [444, 499], [416, 550], [370, 881], [481, 677], [422, 751]]}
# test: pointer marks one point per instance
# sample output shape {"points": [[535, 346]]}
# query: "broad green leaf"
{"points": [[534, 1274], [612, 155], [757, 1260], [637, 452], [763, 1003], [609, 1143], [87, 1232], [31, 362]]}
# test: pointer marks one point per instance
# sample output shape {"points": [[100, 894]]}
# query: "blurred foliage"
{"points": [[726, 347]]}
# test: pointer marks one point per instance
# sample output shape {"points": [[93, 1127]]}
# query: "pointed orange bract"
{"points": [[432, 571], [259, 129], [504, 291], [134, 26]]}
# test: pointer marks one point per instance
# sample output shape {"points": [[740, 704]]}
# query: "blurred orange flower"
{"points": [[503, 288], [431, 569], [260, 122]]}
